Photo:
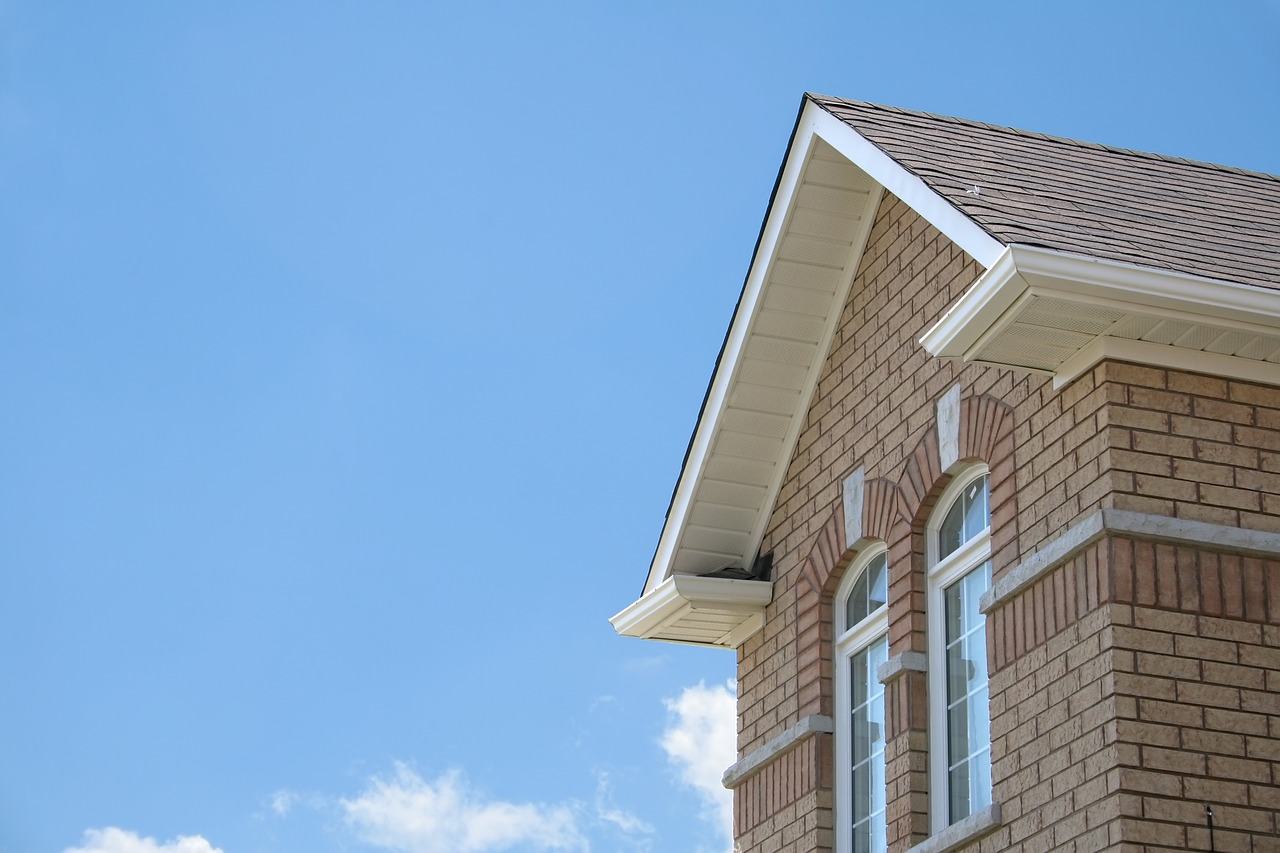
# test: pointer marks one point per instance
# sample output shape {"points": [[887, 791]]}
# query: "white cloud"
{"points": [[608, 812], [408, 814], [701, 741], [282, 802], [114, 840]]}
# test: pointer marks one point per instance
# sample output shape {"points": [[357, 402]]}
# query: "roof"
{"points": [[1089, 253], [1129, 206]]}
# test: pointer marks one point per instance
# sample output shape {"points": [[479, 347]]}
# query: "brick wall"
{"points": [[788, 806], [875, 406], [1136, 685], [1194, 447], [1068, 700]]}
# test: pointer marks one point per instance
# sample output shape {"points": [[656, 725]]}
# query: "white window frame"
{"points": [[850, 640], [942, 574]]}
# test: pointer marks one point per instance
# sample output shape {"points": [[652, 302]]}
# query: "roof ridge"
{"points": [[826, 101]]}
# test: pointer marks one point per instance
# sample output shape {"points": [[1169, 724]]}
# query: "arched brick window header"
{"points": [[985, 435], [892, 512]]}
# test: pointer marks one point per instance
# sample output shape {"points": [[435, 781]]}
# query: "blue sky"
{"points": [[350, 351]]}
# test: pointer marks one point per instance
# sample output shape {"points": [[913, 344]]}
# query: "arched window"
{"points": [[959, 552], [862, 644]]}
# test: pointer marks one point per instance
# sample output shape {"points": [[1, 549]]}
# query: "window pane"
{"points": [[980, 720], [862, 837], [868, 593], [958, 725], [958, 782], [866, 743], [980, 781], [877, 587], [968, 708], [959, 671], [975, 656], [951, 533], [968, 516], [953, 611], [858, 678], [862, 790], [856, 607], [976, 513], [878, 839], [861, 734]]}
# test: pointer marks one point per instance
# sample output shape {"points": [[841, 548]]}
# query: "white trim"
{"points": [[942, 574], [897, 179], [976, 310], [841, 296], [1170, 357], [722, 383], [1146, 286], [1022, 273], [722, 380], [851, 640], [659, 611]]}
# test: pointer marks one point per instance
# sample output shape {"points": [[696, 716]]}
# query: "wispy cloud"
{"points": [[701, 741], [408, 814], [114, 840], [282, 802], [608, 812]]}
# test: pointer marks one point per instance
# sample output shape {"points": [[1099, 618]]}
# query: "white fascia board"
{"points": [[984, 310], [722, 381], [657, 607], [900, 181], [672, 599], [1205, 297], [981, 306]]}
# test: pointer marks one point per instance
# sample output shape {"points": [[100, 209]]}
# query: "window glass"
{"points": [[868, 594], [867, 759], [965, 519], [862, 645], [968, 723], [964, 769]]}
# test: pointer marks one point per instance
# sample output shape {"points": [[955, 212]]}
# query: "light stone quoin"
{"points": [[852, 493], [949, 427]]}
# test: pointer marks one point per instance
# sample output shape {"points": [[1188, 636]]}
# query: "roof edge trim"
{"points": [[902, 182], [658, 614], [991, 308]]}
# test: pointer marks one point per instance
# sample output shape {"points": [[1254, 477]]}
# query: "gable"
{"points": [[1052, 311]]}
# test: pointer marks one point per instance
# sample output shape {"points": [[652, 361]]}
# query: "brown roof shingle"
{"points": [[1145, 209]]}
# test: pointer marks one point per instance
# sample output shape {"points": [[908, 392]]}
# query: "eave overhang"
{"points": [[704, 611], [810, 245], [1060, 314]]}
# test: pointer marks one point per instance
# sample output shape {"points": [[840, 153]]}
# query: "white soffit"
{"points": [[809, 249], [703, 611], [1057, 313]]}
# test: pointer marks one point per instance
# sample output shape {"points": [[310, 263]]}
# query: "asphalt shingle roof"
{"points": [[1029, 188]]}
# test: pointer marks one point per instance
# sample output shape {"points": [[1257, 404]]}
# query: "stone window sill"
{"points": [[965, 832]]}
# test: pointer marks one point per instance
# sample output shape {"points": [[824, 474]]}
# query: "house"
{"points": [[985, 494]]}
